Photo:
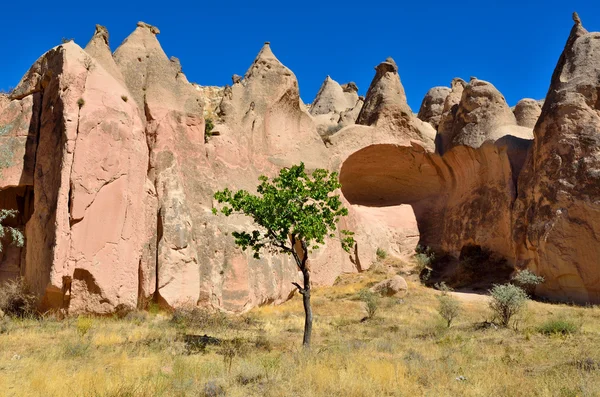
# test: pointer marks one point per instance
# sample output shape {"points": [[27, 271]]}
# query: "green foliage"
{"points": [[291, 204], [381, 253], [16, 300], [560, 326], [15, 235], [208, 127], [506, 301], [448, 306], [84, 324], [424, 258], [80, 102], [371, 301], [527, 280]]}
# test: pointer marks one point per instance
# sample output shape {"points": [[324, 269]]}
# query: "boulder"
{"points": [[395, 286]]}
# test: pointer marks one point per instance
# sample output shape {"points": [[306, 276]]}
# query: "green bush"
{"points": [[381, 254], [448, 306], [527, 280], [506, 301], [371, 301], [424, 258], [208, 127], [559, 326]]}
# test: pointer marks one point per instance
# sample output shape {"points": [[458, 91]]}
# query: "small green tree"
{"points": [[527, 280], [507, 300], [294, 212], [371, 301], [448, 306]]}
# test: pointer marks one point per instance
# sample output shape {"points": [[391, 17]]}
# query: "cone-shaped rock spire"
{"points": [[98, 48], [385, 98]]}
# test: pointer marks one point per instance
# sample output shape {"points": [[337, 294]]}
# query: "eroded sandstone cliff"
{"points": [[106, 159]]}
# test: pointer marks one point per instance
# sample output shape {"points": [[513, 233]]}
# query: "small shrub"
{"points": [[76, 347], [371, 301], [16, 300], [424, 258], [505, 301], [196, 317], [381, 254], [124, 98], [231, 349], [527, 280], [80, 102], [84, 324], [65, 40], [88, 63], [208, 127], [15, 235], [137, 317], [263, 343], [558, 327], [5, 325], [448, 306]]}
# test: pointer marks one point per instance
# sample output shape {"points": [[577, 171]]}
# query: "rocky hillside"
{"points": [[105, 157]]}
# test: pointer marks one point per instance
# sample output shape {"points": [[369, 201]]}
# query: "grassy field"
{"points": [[405, 350]]}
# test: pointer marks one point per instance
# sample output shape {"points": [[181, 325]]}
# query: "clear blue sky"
{"points": [[513, 44]]}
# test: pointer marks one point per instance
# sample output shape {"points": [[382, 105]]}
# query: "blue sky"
{"points": [[513, 44]]}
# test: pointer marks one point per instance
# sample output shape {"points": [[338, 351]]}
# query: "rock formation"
{"points": [[432, 106], [335, 106], [106, 159], [527, 111], [557, 215]]}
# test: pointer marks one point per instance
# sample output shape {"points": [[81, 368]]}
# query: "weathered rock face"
{"points": [[527, 111], [212, 97], [446, 124], [86, 223], [557, 216], [483, 115], [432, 106]]}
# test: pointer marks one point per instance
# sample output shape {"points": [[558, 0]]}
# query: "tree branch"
{"points": [[300, 289]]}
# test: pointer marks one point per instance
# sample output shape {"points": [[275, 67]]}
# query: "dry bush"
{"points": [[16, 300]]}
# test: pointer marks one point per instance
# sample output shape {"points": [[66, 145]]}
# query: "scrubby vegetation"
{"points": [[405, 351], [208, 128], [448, 306], [506, 301]]}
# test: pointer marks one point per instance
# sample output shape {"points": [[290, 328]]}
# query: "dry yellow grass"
{"points": [[404, 351]]}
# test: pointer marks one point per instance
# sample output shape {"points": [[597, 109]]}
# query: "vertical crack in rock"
{"points": [[159, 236]]}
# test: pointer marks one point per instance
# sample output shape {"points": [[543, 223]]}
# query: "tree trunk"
{"points": [[308, 317]]}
